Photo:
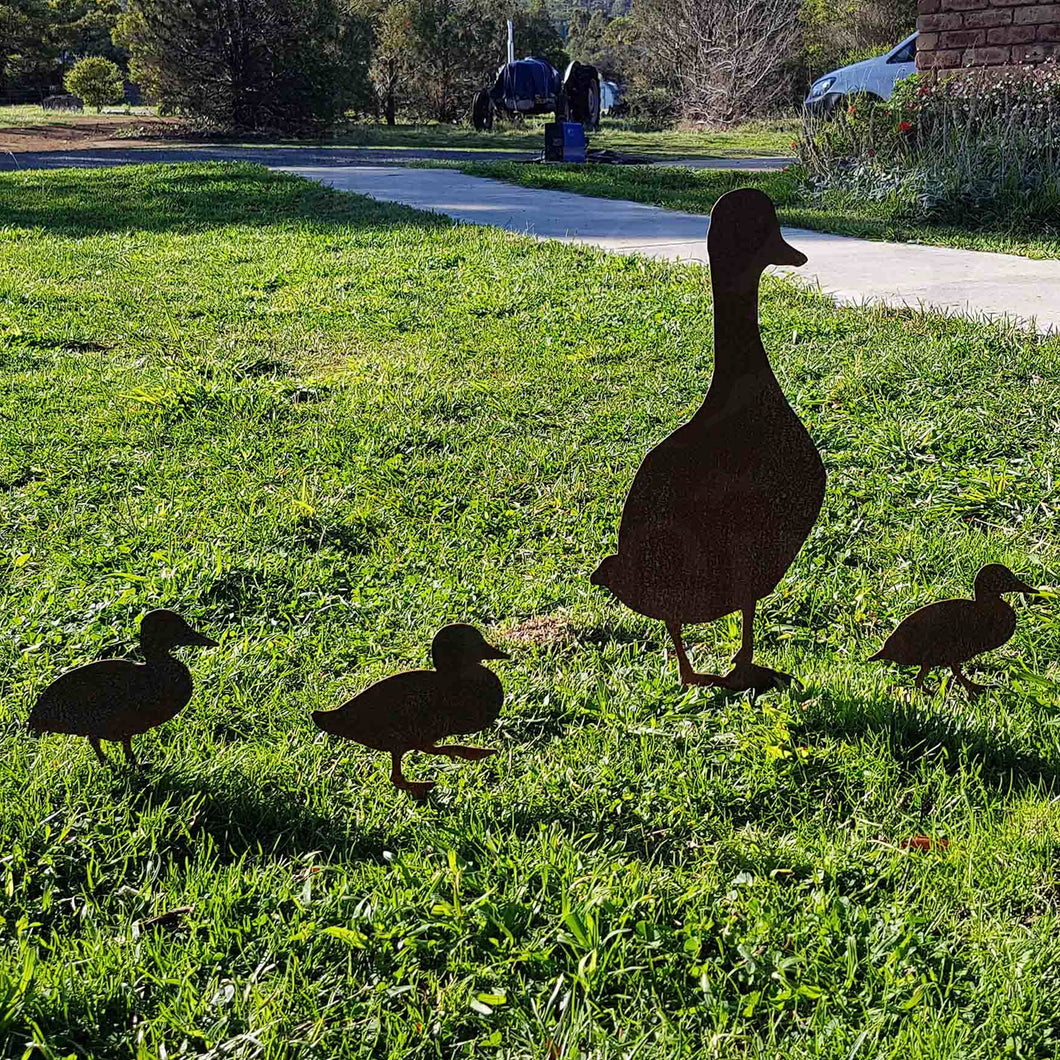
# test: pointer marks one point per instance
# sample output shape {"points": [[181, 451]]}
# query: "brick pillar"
{"points": [[970, 34]]}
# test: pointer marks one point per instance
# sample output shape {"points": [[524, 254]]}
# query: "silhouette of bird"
{"points": [[115, 699], [412, 711], [720, 508], [951, 632]]}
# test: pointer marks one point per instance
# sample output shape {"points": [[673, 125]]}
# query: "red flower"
{"points": [[904, 126], [794, 145], [872, 152], [852, 109]]}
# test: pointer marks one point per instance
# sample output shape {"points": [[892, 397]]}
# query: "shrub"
{"points": [[298, 66], [97, 81], [982, 146]]}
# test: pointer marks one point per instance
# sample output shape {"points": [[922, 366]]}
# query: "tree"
{"points": [[97, 81], [720, 60], [287, 65]]}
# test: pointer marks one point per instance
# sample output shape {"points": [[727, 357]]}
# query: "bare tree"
{"points": [[725, 60]]}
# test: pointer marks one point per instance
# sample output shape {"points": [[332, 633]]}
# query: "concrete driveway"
{"points": [[850, 270]]}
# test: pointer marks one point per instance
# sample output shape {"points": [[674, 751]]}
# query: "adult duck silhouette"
{"points": [[951, 632], [115, 699], [412, 711], [720, 508]]}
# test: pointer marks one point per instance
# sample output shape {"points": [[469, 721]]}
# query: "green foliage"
{"points": [[642, 870], [984, 147], [96, 80], [37, 39], [298, 67], [431, 56]]}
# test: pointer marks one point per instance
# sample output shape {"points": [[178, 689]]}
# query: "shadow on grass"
{"points": [[914, 732], [186, 198], [239, 817]]}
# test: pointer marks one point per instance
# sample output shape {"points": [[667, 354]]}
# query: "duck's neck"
{"points": [[993, 601], [738, 349], [155, 653]]}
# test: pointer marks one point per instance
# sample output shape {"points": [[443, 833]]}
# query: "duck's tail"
{"points": [[325, 720]]}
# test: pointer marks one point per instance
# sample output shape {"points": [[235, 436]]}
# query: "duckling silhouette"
{"points": [[412, 711], [115, 699], [720, 508], [951, 632]]}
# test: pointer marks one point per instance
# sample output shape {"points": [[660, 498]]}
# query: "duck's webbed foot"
{"points": [[970, 686], [471, 754], [418, 790]]}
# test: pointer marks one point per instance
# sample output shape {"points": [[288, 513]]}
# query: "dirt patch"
{"points": [[86, 134], [541, 631]]}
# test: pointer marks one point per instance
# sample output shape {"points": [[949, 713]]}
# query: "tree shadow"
{"points": [[915, 733], [188, 198]]}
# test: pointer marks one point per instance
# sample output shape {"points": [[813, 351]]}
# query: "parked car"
{"points": [[876, 77]]}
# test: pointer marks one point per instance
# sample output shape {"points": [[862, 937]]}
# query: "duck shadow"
{"points": [[235, 815], [916, 732]]}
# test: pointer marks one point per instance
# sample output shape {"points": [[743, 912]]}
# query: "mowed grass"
{"points": [[321, 428], [696, 191], [22, 115], [765, 137]]}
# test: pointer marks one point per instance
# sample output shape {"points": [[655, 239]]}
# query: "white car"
{"points": [[874, 76]]}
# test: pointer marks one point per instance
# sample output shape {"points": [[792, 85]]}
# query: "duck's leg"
{"points": [[94, 741], [745, 675], [919, 682], [970, 686], [472, 754], [416, 790], [129, 756], [688, 675]]}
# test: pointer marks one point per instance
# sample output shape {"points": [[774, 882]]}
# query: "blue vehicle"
{"points": [[535, 86]]}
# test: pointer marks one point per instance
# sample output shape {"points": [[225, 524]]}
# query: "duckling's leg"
{"points": [[745, 675], [94, 741], [688, 675], [472, 754], [416, 790], [970, 686], [129, 756]]}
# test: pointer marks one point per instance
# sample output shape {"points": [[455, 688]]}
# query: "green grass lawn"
{"points": [[766, 138], [696, 191], [321, 428], [770, 137], [21, 115]]}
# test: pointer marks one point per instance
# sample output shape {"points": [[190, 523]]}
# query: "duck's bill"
{"points": [[785, 254], [490, 652], [1027, 590]]}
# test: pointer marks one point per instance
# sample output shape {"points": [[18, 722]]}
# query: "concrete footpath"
{"points": [[850, 270]]}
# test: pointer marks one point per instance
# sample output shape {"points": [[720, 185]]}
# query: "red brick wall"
{"points": [[957, 34]]}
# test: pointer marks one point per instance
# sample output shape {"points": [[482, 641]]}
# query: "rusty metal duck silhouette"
{"points": [[115, 699], [720, 508], [951, 632], [412, 711]]}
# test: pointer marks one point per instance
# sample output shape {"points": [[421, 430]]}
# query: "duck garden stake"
{"points": [[951, 632], [412, 711], [115, 699], [718, 510]]}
